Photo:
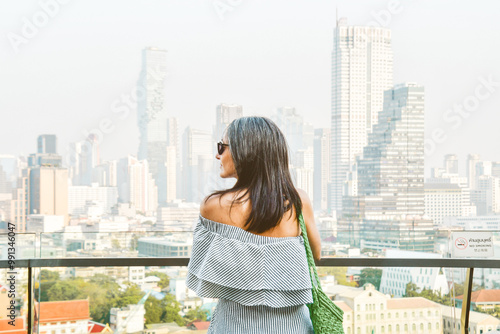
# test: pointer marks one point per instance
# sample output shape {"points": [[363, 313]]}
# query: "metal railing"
{"points": [[470, 264]]}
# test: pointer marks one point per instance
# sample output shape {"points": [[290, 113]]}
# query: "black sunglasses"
{"points": [[221, 147]]}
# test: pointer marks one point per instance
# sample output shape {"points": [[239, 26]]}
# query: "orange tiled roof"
{"points": [[199, 325], [484, 296], [64, 310], [411, 302], [343, 305], [18, 327]]}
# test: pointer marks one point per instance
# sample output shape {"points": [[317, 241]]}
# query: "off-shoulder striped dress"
{"points": [[262, 282]]}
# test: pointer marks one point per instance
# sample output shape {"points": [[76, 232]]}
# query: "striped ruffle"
{"points": [[231, 263]]}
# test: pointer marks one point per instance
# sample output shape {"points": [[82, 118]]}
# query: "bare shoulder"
{"points": [[209, 206], [218, 208], [306, 202]]}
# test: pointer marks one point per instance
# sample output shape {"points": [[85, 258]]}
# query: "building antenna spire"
{"points": [[336, 16]]}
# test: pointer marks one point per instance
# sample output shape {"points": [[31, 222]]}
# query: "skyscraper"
{"points": [[390, 198], [451, 163], [48, 191], [361, 72], [152, 116], [321, 168], [225, 114], [197, 160], [470, 169], [391, 172], [47, 144]]}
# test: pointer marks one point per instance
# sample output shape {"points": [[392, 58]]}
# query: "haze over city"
{"points": [[258, 54]]}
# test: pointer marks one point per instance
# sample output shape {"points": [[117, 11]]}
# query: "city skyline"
{"points": [[465, 62]]}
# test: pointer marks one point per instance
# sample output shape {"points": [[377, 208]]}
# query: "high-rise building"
{"points": [[136, 185], [390, 198], [321, 168], [46, 152], [47, 144], [19, 210], [197, 161], [142, 188], [152, 116], [299, 134], [8, 173], [451, 163], [442, 200], [224, 115], [174, 187], [361, 72], [48, 191], [470, 169], [391, 172]]}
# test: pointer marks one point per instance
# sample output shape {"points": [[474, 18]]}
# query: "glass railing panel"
{"points": [[116, 244], [127, 299], [23, 243]]}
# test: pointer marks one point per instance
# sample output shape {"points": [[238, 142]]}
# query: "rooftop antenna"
{"points": [[336, 16]]}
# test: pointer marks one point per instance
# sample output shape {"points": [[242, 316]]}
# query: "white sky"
{"points": [[261, 54]]}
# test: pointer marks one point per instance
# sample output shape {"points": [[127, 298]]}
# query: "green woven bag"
{"points": [[326, 317]]}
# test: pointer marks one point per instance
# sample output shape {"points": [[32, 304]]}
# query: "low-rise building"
{"points": [[64, 317], [482, 299], [367, 310], [478, 322], [129, 319]]}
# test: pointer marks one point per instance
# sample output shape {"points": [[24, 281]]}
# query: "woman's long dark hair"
{"points": [[260, 156]]}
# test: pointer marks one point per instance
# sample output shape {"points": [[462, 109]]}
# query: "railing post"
{"points": [[30, 300], [464, 319]]}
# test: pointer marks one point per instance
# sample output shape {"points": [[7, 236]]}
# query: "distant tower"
{"points": [[152, 116], [197, 161], [224, 115], [47, 144], [321, 168], [451, 163], [470, 169], [361, 72]]}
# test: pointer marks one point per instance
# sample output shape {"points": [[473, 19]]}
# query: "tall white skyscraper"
{"points": [[152, 116], [361, 72]]}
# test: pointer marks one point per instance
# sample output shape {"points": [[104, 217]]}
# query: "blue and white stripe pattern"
{"points": [[262, 283]]}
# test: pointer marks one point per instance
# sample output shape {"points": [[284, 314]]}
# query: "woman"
{"points": [[248, 250]]}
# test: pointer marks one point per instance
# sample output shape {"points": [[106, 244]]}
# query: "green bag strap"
{"points": [[310, 259]]}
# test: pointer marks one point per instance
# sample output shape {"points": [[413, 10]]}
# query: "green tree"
{"points": [[370, 275], [63, 290], [154, 310], [102, 292], [47, 275], [132, 295], [171, 309], [196, 314]]}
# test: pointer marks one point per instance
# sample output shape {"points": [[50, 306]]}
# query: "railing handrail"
{"points": [[183, 261]]}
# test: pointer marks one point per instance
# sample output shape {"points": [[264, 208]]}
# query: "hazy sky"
{"points": [[67, 73]]}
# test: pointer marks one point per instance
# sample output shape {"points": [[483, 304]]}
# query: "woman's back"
{"points": [[222, 209]]}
